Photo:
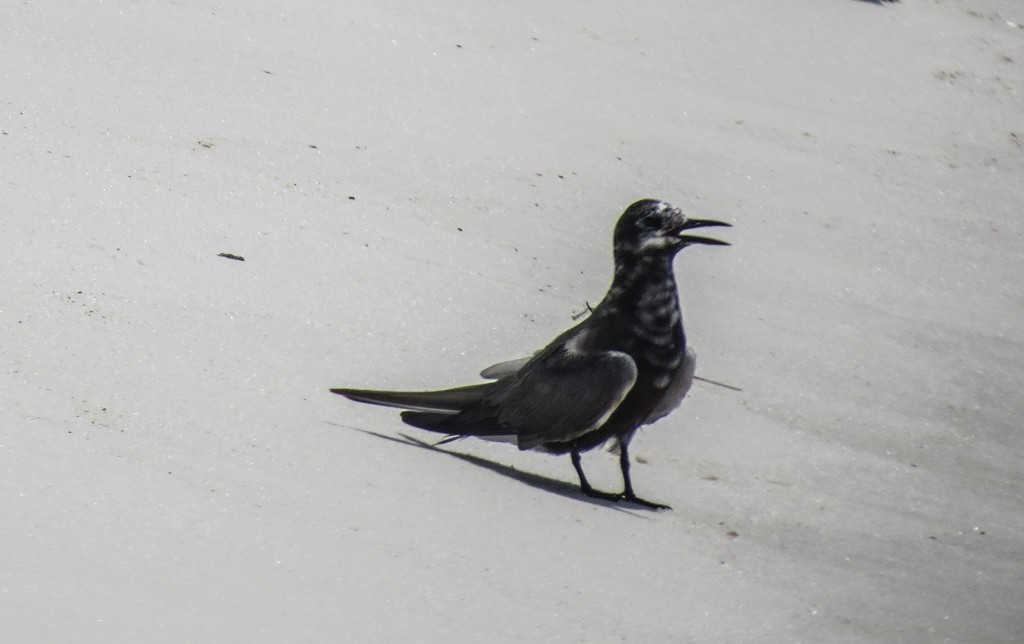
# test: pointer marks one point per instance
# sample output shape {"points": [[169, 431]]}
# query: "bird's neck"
{"points": [[644, 291], [642, 309], [645, 280]]}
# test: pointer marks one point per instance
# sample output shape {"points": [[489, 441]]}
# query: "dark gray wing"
{"points": [[561, 395]]}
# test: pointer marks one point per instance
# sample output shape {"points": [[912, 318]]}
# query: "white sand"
{"points": [[176, 471]]}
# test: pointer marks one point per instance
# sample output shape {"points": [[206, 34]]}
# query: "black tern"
{"points": [[624, 366]]}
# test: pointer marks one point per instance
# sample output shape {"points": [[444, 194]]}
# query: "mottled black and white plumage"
{"points": [[624, 366]]}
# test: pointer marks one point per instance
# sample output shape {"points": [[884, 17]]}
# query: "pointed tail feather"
{"points": [[432, 421], [446, 400], [457, 412], [441, 423]]}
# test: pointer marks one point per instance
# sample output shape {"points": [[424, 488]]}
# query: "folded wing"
{"points": [[555, 397]]}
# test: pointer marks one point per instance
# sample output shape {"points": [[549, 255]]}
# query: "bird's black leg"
{"points": [[585, 484], [628, 494]]}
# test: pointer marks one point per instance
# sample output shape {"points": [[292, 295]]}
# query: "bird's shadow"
{"points": [[548, 484]]}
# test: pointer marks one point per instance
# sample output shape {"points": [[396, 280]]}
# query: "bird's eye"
{"points": [[649, 222]]}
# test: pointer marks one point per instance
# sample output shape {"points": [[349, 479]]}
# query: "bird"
{"points": [[626, 365]]}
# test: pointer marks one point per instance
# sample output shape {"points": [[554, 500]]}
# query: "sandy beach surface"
{"points": [[421, 190]]}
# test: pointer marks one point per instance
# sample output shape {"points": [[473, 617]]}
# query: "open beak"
{"points": [[697, 239]]}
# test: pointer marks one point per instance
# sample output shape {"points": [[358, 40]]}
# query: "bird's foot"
{"points": [[598, 494], [628, 497], [632, 498]]}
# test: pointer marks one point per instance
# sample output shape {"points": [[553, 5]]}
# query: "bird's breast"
{"points": [[649, 327]]}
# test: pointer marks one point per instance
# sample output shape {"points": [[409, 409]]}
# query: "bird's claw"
{"points": [[624, 496], [632, 498]]}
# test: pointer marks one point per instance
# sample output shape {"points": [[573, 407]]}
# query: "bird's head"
{"points": [[651, 227]]}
